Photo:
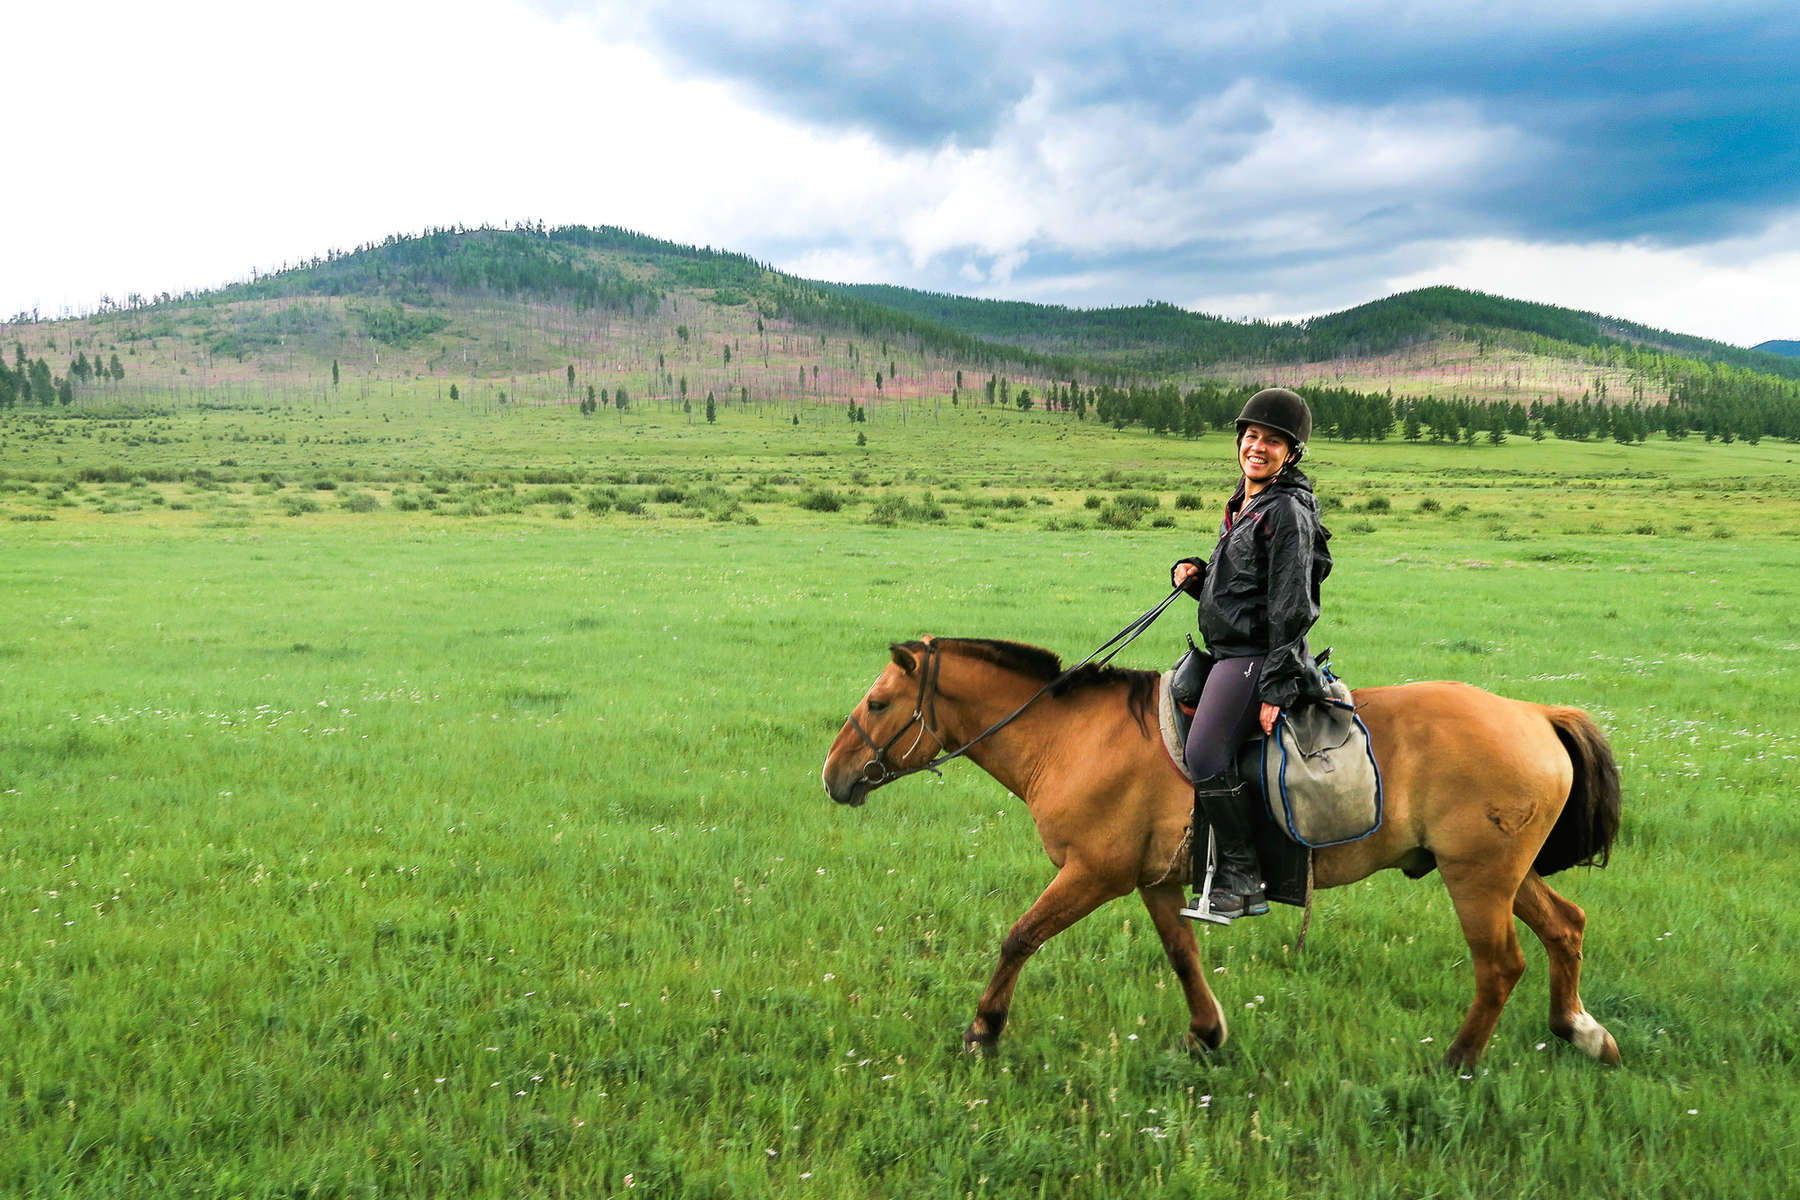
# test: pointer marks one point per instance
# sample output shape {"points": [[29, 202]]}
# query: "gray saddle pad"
{"points": [[1319, 775]]}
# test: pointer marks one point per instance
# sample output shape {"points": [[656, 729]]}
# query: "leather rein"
{"points": [[878, 772]]}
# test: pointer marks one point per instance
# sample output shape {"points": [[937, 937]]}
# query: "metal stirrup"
{"points": [[1200, 908]]}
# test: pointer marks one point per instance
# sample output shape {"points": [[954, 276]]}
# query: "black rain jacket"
{"points": [[1260, 593]]}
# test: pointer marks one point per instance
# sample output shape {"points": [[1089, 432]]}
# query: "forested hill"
{"points": [[1161, 337], [500, 305], [601, 267], [396, 283], [1790, 349]]}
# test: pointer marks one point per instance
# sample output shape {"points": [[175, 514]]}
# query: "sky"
{"points": [[1258, 158]]}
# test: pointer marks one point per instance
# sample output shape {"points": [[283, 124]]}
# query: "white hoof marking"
{"points": [[1588, 1036]]}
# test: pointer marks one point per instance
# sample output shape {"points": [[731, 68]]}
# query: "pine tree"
{"points": [[42, 390]]}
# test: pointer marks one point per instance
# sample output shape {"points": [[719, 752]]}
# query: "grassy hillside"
{"points": [[1162, 337], [575, 315], [509, 316]]}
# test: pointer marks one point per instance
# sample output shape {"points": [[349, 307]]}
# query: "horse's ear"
{"points": [[903, 657]]}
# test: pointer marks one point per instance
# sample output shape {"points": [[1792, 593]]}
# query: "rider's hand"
{"points": [[1184, 572], [1270, 714]]}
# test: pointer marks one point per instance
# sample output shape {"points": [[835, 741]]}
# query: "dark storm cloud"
{"points": [[913, 74], [1676, 122], [1682, 129]]}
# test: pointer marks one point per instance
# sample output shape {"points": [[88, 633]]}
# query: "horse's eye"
{"points": [[877, 705]]}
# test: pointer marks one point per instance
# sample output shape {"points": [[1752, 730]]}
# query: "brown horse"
{"points": [[1494, 793]]}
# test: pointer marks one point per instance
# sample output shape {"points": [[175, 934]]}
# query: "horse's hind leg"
{"points": [[1559, 924], [1206, 1021], [1483, 906], [1072, 895]]}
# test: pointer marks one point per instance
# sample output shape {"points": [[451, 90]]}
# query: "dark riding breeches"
{"points": [[1228, 715]]}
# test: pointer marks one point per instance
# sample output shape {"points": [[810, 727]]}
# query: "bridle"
{"points": [[878, 772]]}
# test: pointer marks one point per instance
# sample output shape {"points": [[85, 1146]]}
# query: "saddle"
{"points": [[1316, 777]]}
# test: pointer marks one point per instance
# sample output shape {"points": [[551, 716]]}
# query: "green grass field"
{"points": [[477, 847]]}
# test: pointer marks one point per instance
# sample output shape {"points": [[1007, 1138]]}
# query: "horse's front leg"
{"points": [[1072, 895], [1206, 1020]]}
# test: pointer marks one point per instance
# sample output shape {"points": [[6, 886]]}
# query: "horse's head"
{"points": [[891, 731]]}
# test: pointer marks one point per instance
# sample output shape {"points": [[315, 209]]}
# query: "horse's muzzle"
{"points": [[853, 791]]}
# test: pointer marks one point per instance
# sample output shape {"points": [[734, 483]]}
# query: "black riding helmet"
{"points": [[1280, 410]]}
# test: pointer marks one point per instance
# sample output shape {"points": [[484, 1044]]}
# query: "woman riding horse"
{"points": [[1492, 794], [1258, 597]]}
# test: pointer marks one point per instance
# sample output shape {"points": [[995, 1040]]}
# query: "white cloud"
{"points": [[236, 137], [1740, 290], [221, 137]]}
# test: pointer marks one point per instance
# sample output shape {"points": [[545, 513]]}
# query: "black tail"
{"points": [[1584, 832]]}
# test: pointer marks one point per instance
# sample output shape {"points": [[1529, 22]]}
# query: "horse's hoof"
{"points": [[978, 1044], [1590, 1037], [1202, 1045], [1461, 1061]]}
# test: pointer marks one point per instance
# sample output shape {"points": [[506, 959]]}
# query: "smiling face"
{"points": [[1262, 452]]}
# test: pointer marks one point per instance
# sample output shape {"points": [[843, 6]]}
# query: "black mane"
{"points": [[1034, 662]]}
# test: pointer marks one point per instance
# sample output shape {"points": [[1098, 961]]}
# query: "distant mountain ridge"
{"points": [[394, 293], [1157, 336]]}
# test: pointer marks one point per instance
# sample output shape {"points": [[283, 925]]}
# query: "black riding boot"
{"points": [[1237, 886]]}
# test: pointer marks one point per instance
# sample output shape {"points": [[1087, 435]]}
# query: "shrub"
{"points": [[1093, 501], [1376, 504], [1162, 521], [892, 509], [1119, 516], [821, 500], [669, 494], [1430, 504], [361, 502], [1188, 501], [293, 506], [324, 485], [887, 511]]}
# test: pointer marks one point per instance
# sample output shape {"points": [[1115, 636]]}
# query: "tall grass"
{"points": [[387, 853]]}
